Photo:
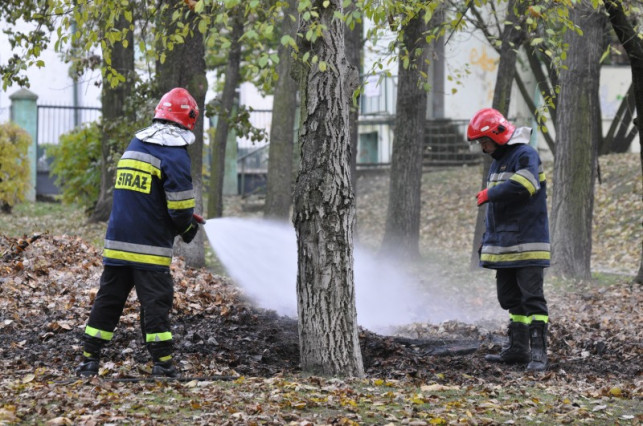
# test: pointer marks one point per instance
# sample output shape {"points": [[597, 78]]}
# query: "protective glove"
{"points": [[189, 234], [483, 197], [198, 218]]}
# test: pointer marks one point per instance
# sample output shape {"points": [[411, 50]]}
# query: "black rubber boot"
{"points": [[91, 354], [164, 369], [538, 339], [517, 352], [88, 368], [162, 356]]}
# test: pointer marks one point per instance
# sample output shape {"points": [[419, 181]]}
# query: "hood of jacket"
{"points": [[166, 134], [521, 135]]}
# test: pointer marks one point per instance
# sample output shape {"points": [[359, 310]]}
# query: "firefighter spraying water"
{"points": [[153, 203]]}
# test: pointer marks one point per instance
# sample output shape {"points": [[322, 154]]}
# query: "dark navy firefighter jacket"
{"points": [[153, 203], [517, 227]]}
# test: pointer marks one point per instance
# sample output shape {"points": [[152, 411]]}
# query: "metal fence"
{"points": [[53, 121], [56, 120]]}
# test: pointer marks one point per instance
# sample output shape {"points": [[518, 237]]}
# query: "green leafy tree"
{"points": [[76, 165], [26, 45], [15, 176], [115, 118]]}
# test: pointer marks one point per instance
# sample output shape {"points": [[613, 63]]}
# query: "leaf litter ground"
{"points": [[424, 374]]}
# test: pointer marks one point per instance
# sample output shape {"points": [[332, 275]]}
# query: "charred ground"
{"points": [[47, 290]]}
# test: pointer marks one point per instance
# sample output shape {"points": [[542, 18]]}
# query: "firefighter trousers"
{"points": [[155, 292], [520, 290]]}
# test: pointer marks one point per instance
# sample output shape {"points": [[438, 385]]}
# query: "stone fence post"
{"points": [[24, 112]]}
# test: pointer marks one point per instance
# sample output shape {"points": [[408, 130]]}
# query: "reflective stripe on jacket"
{"points": [[153, 202], [517, 226]]}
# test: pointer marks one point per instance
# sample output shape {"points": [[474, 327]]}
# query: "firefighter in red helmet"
{"points": [[516, 239], [153, 202]]}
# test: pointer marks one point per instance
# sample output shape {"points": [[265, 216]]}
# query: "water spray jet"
{"points": [[261, 257]]}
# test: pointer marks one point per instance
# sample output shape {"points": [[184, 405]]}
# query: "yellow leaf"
{"points": [[300, 405], [616, 391], [8, 414], [59, 421], [437, 387], [28, 378], [417, 401]]}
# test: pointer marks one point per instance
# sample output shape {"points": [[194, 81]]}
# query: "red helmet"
{"points": [[178, 106], [492, 124]]}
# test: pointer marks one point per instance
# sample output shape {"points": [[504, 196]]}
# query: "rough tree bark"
{"points": [[578, 135], [112, 105], [282, 129], [634, 48], [232, 76], [184, 66], [324, 204], [512, 38], [402, 230]]}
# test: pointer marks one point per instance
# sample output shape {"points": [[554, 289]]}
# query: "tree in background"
{"points": [[402, 230], [630, 40], [324, 204], [354, 40], [282, 128], [32, 42], [578, 134], [182, 64], [114, 97], [227, 105]]}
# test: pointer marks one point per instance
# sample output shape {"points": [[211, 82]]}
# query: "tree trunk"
{"points": [[578, 135], [112, 110], [324, 208], [353, 42], [512, 39], [402, 231], [228, 102], [616, 140], [546, 81], [634, 48], [184, 66], [282, 129]]}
